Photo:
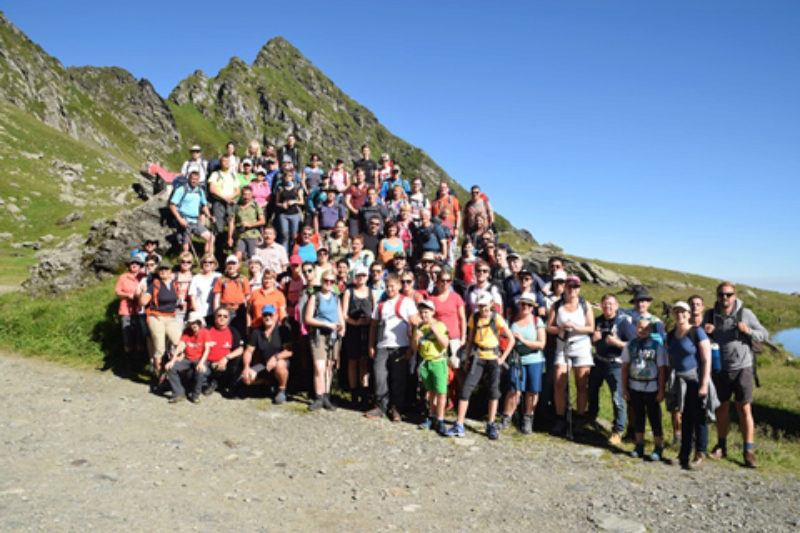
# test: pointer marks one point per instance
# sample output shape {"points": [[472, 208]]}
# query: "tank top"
{"points": [[328, 308], [528, 332], [360, 307], [573, 344], [290, 194]]}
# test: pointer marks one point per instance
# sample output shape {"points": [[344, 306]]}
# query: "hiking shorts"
{"points": [[738, 383], [319, 347], [434, 375], [192, 228], [528, 378], [247, 247], [476, 370]]}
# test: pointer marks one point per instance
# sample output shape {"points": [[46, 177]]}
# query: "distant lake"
{"points": [[790, 338]]}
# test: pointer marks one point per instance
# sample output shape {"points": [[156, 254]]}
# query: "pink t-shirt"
{"points": [[261, 192], [447, 312]]}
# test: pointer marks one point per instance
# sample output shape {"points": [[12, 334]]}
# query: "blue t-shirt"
{"points": [[328, 309], [307, 252], [683, 354], [388, 185], [189, 201]]}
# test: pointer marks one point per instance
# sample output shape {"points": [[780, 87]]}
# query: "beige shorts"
{"points": [[320, 350]]}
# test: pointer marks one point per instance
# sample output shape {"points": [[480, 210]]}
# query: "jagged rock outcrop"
{"points": [[82, 261], [537, 258]]}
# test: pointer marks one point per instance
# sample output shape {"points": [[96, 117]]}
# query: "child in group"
{"points": [[644, 376], [430, 340]]}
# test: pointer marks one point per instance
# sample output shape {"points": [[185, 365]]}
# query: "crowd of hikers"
{"points": [[295, 277]]}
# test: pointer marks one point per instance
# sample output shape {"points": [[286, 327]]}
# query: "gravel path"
{"points": [[83, 450]]}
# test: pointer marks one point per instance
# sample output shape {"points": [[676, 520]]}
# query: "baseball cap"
{"points": [[247, 161], [231, 259], [361, 270], [560, 275], [484, 298], [527, 297], [574, 280], [427, 304], [268, 309], [680, 305], [195, 148], [196, 316], [295, 260]]}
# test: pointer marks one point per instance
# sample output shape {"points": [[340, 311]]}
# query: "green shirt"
{"points": [[247, 214]]}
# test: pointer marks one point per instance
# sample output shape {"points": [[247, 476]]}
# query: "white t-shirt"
{"points": [[395, 330], [200, 292]]}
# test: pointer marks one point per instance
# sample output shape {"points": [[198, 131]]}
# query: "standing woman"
{"points": [[160, 301], [289, 201], [201, 295], [689, 353], [337, 242], [233, 160], [261, 189], [324, 315], [404, 223], [527, 365], [357, 306], [183, 279], [572, 321], [390, 244]]}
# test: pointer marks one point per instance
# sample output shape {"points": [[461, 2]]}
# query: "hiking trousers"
{"points": [[163, 328], [188, 369], [610, 373], [390, 373]]}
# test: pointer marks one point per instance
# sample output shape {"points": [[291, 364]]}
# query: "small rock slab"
{"points": [[616, 524]]}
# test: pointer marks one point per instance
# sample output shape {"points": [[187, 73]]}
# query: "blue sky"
{"points": [[656, 133]]}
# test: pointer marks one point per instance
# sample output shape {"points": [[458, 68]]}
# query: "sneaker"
{"points": [[208, 391], [456, 431], [750, 459], [195, 398], [394, 414], [504, 422], [427, 424], [327, 403], [491, 431], [718, 452], [615, 439], [177, 399], [657, 455], [280, 398], [316, 405], [375, 412]]}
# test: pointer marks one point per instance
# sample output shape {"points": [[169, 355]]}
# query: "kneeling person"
{"points": [[224, 344], [483, 348], [191, 348], [267, 353], [430, 340]]}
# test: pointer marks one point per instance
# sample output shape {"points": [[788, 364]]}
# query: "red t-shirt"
{"points": [[447, 313], [357, 196], [222, 342], [195, 344]]}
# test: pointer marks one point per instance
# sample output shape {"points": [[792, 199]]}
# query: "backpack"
{"points": [[756, 347], [381, 323], [492, 325], [645, 369], [581, 300], [180, 183]]}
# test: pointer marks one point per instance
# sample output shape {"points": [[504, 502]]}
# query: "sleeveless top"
{"points": [[289, 194], [328, 308], [360, 307], [528, 332], [573, 344]]}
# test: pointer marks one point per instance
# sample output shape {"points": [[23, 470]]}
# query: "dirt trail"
{"points": [[85, 450]]}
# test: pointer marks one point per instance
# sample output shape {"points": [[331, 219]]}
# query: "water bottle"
{"points": [[716, 360]]}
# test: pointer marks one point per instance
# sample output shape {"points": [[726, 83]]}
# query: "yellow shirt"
{"points": [[429, 348], [484, 338]]}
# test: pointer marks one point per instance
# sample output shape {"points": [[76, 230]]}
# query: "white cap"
{"points": [[232, 259], [361, 269], [681, 305], [483, 298], [196, 316], [560, 275], [527, 297]]}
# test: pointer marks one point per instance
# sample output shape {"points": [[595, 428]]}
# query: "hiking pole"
{"points": [[568, 412], [194, 252]]}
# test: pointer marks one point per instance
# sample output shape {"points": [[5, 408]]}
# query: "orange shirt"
{"points": [[128, 283], [262, 297], [234, 291], [449, 200]]}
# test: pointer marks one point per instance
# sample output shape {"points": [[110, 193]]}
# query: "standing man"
{"points": [[613, 330], [273, 256], [430, 237], [290, 152], [373, 207], [735, 328], [368, 166], [196, 162], [389, 339], [186, 204], [223, 186], [478, 204]]}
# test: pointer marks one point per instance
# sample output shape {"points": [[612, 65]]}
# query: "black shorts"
{"points": [[736, 382]]}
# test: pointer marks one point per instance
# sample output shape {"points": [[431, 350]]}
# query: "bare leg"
{"points": [[559, 387]]}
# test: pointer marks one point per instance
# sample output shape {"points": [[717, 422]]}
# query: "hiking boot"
{"points": [[615, 439], [491, 431], [442, 428], [327, 403], [375, 412], [718, 452], [195, 398], [638, 451], [456, 431], [177, 399], [280, 397], [697, 462], [316, 405], [559, 427], [504, 422], [750, 459], [394, 414], [208, 391], [527, 424]]}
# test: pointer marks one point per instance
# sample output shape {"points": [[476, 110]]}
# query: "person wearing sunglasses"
{"points": [[183, 279], [736, 330], [225, 344], [483, 285], [201, 289], [325, 320]]}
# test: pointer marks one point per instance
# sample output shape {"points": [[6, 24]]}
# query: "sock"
{"points": [[639, 448], [748, 446], [722, 442]]}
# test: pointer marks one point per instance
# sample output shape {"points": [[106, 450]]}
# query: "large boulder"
{"points": [[82, 261], [536, 261]]}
